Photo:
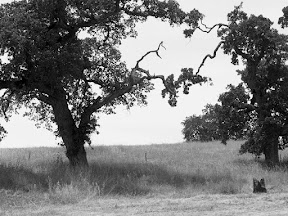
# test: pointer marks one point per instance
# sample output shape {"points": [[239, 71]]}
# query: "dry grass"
{"points": [[41, 175]]}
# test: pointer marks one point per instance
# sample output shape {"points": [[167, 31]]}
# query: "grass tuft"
{"points": [[74, 192]]}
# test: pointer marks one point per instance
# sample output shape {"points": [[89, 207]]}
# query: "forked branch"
{"points": [[149, 52], [148, 76], [100, 101]]}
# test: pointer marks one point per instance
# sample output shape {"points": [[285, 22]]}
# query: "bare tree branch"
{"points": [[209, 29], [152, 51], [209, 56], [101, 101], [146, 72]]}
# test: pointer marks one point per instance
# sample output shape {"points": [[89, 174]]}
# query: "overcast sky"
{"points": [[158, 122]]}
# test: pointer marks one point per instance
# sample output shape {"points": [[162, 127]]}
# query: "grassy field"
{"points": [[33, 177]]}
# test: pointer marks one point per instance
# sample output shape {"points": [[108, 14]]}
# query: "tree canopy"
{"points": [[264, 52], [203, 127], [65, 80], [225, 120]]}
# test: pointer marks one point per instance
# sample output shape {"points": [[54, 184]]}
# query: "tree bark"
{"points": [[69, 133], [76, 155], [270, 130], [271, 151]]}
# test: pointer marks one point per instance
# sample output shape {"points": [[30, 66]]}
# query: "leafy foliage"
{"points": [[264, 52], [227, 120], [3, 132], [284, 19], [66, 80], [203, 127], [233, 113]]}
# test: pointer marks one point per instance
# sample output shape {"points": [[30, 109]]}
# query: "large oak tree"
{"points": [[264, 53], [64, 80]]}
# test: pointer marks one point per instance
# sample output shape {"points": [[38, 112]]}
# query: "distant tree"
{"points": [[210, 113], [264, 53], [233, 113], [226, 120], [202, 127], [67, 81], [192, 128]]}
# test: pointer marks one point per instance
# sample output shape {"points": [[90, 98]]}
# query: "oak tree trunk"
{"points": [[270, 130], [271, 151], [69, 133], [76, 154]]}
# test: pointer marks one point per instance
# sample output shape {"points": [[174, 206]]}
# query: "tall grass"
{"points": [[183, 169]]}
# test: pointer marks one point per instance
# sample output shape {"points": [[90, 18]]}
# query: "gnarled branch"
{"points": [[209, 29], [101, 101], [149, 52], [209, 56], [147, 73]]}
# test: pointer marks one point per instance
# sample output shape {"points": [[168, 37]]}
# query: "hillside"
{"points": [[185, 178]]}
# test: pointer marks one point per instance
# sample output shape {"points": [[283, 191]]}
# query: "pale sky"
{"points": [[158, 122]]}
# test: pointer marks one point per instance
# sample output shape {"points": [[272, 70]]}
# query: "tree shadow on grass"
{"points": [[246, 162], [282, 165], [121, 178], [20, 178], [108, 178], [138, 178], [133, 178]]}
